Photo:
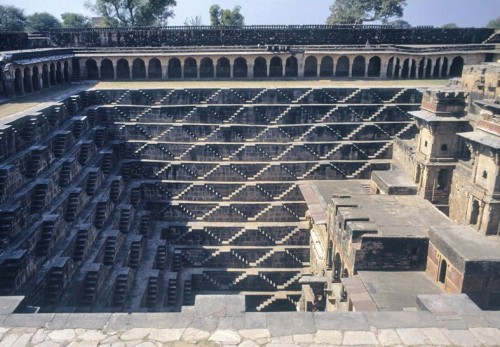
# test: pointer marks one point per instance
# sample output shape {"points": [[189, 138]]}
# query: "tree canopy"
{"points": [[219, 16], [12, 19], [75, 20], [494, 23], [193, 21], [449, 26], [43, 22], [400, 24], [133, 12], [359, 11]]}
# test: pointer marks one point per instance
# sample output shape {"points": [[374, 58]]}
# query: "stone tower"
{"points": [[441, 117]]}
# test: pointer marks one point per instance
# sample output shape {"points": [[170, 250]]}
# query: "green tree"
{"points": [[494, 23], [449, 26], [359, 11], [219, 16], [75, 20], [43, 22], [399, 23], [12, 19], [133, 12], [193, 21]]}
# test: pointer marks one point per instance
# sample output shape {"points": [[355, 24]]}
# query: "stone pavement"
{"points": [[221, 320]]}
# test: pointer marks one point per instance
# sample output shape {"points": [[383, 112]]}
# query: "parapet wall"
{"points": [[267, 35]]}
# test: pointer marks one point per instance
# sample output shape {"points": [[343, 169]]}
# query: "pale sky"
{"points": [[465, 13]]}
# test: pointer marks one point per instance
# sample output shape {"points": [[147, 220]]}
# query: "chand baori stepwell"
{"points": [[322, 198]]}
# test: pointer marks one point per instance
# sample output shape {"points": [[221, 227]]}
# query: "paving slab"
{"points": [[386, 320], [284, 323], [195, 335], [332, 337], [340, 321], [225, 337], [39, 320], [413, 337], [118, 321], [255, 320], [87, 320], [357, 338], [8, 304], [488, 336], [462, 338], [388, 337]]}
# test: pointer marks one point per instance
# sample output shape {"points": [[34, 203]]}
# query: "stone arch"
{"points": [[409, 68], [260, 67], [337, 268], [45, 76], [474, 215], [66, 71], [457, 65], [18, 82], [206, 68], [27, 83], [442, 271], [92, 70], [223, 69], [443, 179], [190, 68], [35, 77], [154, 69], [59, 73], [276, 67], [75, 67], [311, 66], [138, 69], [342, 69], [52, 74], [326, 67], [240, 68], [423, 67], [107, 70], [358, 66], [291, 67], [393, 68], [122, 69], [374, 67], [174, 68]]}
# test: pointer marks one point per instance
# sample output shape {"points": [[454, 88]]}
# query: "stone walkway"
{"points": [[220, 320]]}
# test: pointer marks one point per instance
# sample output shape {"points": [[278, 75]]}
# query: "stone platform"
{"points": [[221, 320]]}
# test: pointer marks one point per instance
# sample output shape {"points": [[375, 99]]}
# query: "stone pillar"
{"points": [[22, 82], [164, 69], [394, 63], [441, 63], [410, 66], [40, 79], [383, 68], [99, 70], [30, 81], [250, 70], [268, 67], [425, 67], [318, 70], [231, 71], [448, 68], [283, 67]]}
